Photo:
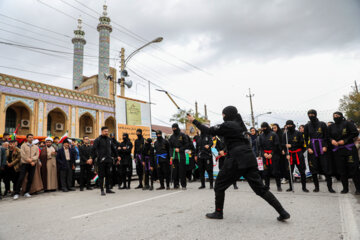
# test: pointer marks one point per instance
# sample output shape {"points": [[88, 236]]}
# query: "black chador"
{"points": [[295, 141], [270, 151], [148, 164], [346, 157], [317, 138], [178, 143], [221, 148], [204, 158], [240, 161], [162, 158], [125, 165], [139, 158]]}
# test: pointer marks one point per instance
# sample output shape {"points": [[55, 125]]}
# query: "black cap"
{"points": [[290, 122], [312, 111], [230, 113]]}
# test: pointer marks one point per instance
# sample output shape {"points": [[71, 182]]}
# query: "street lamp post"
{"points": [[257, 117]]}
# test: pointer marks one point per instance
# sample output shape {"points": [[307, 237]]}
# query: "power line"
{"points": [[46, 74]]}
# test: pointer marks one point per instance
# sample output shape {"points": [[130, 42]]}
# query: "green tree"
{"points": [[180, 116], [350, 104]]}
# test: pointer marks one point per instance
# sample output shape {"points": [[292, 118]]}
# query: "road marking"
{"points": [[349, 227], [124, 205]]}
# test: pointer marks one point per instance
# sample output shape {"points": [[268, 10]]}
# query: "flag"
{"points": [[13, 137], [63, 137], [95, 178]]}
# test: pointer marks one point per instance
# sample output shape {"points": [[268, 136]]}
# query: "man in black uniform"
{"points": [[293, 141], [342, 135], [204, 158], [162, 151], [317, 138], [241, 161], [104, 150], [178, 143], [86, 164], [125, 164], [148, 164], [139, 158], [270, 149], [220, 147]]}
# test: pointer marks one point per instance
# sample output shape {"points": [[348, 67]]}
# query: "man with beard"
{"points": [[316, 134], [139, 158], [220, 147], [125, 163], [342, 135], [269, 147], [104, 150], [162, 151], [204, 158], [178, 143], [86, 163], [148, 164], [240, 161], [48, 167], [293, 141]]}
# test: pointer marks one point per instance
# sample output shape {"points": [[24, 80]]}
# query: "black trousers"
{"points": [[272, 168], [105, 172], [10, 175], [300, 166], [179, 172], [85, 175], [206, 165], [139, 171], [228, 175], [125, 173], [221, 164], [149, 180], [320, 164], [66, 177], [347, 166], [25, 168], [163, 171]]}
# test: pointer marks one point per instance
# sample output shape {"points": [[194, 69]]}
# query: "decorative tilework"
{"points": [[10, 100], [107, 115], [104, 54], [78, 63], [83, 110], [41, 118], [51, 106], [100, 121], [73, 121]]}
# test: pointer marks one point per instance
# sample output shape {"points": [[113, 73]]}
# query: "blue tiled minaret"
{"points": [[78, 64]]}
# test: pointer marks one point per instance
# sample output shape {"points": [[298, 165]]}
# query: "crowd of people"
{"points": [[329, 149]]}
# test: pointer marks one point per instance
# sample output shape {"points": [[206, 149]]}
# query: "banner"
{"points": [[133, 113], [131, 130]]}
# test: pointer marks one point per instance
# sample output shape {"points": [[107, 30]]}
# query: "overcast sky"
{"points": [[294, 55]]}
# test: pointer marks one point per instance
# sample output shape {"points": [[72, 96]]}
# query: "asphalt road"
{"points": [[137, 214]]}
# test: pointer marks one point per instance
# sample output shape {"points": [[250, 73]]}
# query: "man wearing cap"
{"points": [[65, 160], [48, 167]]}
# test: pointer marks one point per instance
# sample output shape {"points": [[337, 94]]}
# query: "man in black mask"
{"points": [[162, 155], [148, 164], [269, 145], [316, 134], [204, 158], [125, 164], [342, 135], [178, 143], [139, 158], [240, 161], [293, 144]]}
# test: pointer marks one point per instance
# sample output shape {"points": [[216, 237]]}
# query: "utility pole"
{"points": [[356, 87], [196, 110], [251, 107], [122, 68], [205, 108]]}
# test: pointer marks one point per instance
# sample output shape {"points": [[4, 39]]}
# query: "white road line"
{"points": [[124, 205], [349, 227]]}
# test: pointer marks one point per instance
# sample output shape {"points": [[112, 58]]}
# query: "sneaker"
{"points": [[16, 197], [215, 215], [283, 216], [27, 195], [284, 181]]}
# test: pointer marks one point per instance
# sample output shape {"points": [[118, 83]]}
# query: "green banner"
{"points": [[133, 113]]}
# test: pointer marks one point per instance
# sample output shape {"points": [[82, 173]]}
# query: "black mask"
{"points": [[265, 127], [313, 119], [177, 129], [291, 128], [159, 137], [338, 120], [230, 113]]}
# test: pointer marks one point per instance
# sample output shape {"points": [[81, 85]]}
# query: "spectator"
{"points": [[5, 138], [65, 160], [86, 164], [56, 143], [48, 168], [12, 166], [2, 165], [29, 158]]}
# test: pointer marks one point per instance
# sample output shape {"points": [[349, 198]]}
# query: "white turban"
{"points": [[48, 139], [36, 141]]}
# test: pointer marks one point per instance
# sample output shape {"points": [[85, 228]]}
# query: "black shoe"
{"points": [[283, 216], [139, 187], [81, 189], [279, 189], [305, 190], [89, 188], [215, 215], [331, 190], [289, 190], [72, 189], [103, 193], [146, 188], [128, 188], [176, 187], [344, 191], [119, 187], [160, 188], [122, 188], [316, 190], [109, 191], [167, 188], [201, 187], [151, 188], [236, 187], [65, 190], [183, 188], [211, 187]]}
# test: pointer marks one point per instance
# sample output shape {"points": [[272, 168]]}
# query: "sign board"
{"points": [[131, 130], [133, 113]]}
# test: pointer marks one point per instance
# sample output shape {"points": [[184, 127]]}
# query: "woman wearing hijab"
{"points": [[240, 161]]}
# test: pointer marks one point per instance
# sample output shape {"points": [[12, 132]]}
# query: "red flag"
{"points": [[63, 137]]}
